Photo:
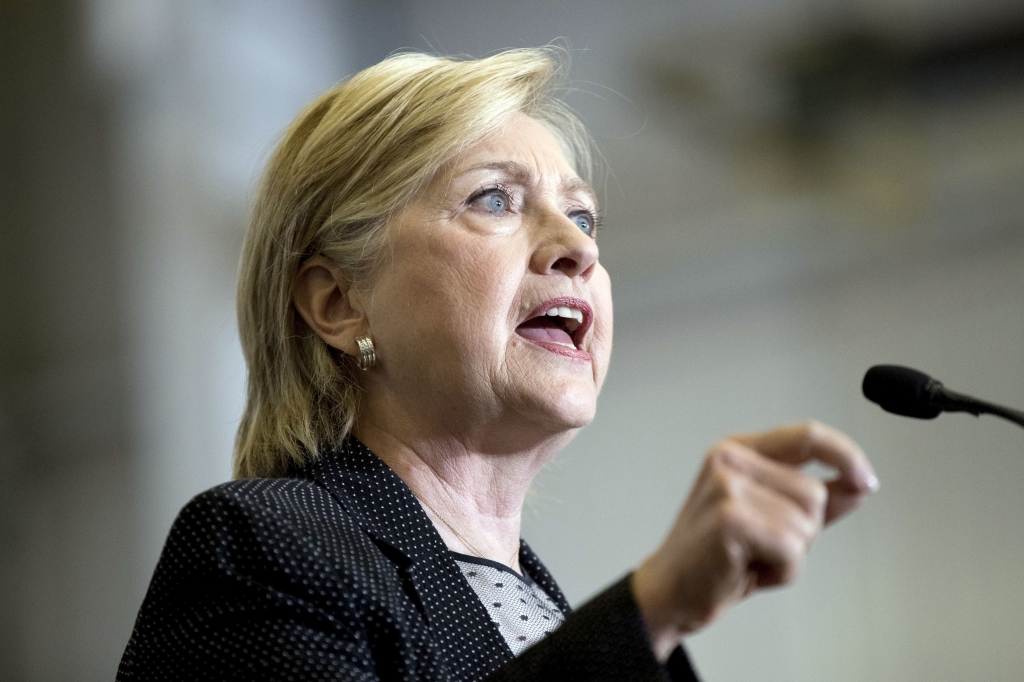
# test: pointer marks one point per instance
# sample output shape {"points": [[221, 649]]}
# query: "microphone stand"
{"points": [[951, 401]]}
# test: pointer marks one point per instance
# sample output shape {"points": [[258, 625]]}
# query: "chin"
{"points": [[551, 393], [571, 409]]}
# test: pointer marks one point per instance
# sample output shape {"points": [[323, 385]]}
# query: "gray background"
{"points": [[757, 272]]}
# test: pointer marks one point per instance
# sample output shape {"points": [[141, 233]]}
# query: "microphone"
{"points": [[910, 393]]}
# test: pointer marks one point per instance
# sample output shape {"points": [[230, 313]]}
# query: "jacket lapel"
{"points": [[385, 508], [532, 565]]}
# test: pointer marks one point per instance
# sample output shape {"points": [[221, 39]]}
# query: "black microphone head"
{"points": [[901, 390]]}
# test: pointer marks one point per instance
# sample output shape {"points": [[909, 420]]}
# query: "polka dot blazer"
{"points": [[338, 574]]}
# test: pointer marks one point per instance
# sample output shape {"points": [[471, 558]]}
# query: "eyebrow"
{"points": [[522, 174]]}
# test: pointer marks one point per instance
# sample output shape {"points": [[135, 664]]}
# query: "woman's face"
{"points": [[459, 312]]}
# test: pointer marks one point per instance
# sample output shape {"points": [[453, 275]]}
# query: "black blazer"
{"points": [[338, 574]]}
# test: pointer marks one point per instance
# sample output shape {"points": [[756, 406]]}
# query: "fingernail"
{"points": [[873, 483]]}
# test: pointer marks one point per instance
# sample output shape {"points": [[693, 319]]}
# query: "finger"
{"points": [[776, 535], [780, 514], [806, 491], [841, 501], [800, 443]]}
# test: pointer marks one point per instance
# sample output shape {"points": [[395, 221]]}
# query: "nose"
{"points": [[564, 249]]}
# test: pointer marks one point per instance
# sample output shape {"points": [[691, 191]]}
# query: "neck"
{"points": [[474, 498]]}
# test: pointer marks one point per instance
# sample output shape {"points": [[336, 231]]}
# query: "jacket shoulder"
{"points": [[264, 500], [248, 565], [271, 530]]}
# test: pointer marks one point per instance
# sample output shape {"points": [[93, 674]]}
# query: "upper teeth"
{"points": [[567, 312]]}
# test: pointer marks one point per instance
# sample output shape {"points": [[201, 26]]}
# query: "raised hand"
{"points": [[748, 522]]}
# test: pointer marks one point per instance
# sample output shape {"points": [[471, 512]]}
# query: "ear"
{"points": [[324, 298]]}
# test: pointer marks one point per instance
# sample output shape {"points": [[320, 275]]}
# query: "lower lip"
{"points": [[574, 353]]}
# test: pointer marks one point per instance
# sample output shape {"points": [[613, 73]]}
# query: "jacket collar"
{"points": [[386, 509], [380, 502]]}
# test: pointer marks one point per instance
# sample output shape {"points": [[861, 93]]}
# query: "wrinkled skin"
{"points": [[466, 405]]}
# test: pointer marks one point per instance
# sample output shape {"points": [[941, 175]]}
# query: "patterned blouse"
{"points": [[523, 612]]}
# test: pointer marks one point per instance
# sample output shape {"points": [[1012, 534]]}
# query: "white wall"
{"points": [[203, 90], [926, 581], [133, 131], [742, 302], [138, 128]]}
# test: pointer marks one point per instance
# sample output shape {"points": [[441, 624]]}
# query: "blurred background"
{"points": [[798, 189]]}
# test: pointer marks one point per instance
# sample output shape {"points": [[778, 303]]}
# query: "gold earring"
{"points": [[367, 353]]}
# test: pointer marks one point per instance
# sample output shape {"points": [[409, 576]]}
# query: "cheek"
{"points": [[452, 298], [477, 289]]}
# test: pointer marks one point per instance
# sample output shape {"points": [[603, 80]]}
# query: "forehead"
{"points": [[522, 147], [521, 139]]}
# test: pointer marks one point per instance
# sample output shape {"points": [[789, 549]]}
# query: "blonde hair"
{"points": [[351, 160]]}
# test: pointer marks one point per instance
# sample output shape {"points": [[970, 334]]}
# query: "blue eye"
{"points": [[496, 203], [496, 200], [585, 223]]}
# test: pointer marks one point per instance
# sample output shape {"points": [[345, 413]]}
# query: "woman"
{"points": [[426, 324]]}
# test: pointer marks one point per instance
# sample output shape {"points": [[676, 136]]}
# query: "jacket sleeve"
{"points": [[605, 639]]}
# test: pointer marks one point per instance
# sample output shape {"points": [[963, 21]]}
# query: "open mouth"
{"points": [[560, 321]]}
